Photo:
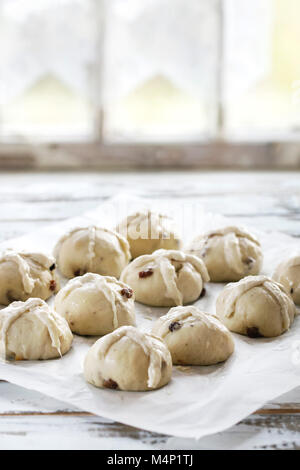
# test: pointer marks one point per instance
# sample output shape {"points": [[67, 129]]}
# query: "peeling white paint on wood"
{"points": [[92, 432]]}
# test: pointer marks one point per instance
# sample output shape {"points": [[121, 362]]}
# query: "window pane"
{"points": [[47, 55], [262, 67], [160, 69]]}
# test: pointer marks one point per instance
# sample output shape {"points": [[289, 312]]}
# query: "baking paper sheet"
{"points": [[199, 400]]}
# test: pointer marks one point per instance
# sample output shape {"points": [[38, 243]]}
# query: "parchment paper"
{"points": [[199, 400]]}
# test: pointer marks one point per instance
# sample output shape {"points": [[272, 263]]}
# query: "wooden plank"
{"points": [[268, 200], [30, 201], [90, 432], [75, 184], [282, 410]]}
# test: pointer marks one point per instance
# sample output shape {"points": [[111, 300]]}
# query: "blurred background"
{"points": [[149, 83]]}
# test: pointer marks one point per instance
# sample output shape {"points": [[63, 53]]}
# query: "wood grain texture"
{"points": [[266, 200], [92, 432]]}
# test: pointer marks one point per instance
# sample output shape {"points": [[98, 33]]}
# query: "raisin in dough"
{"points": [[95, 305], [194, 337], [256, 306], [128, 359], [288, 274], [32, 330], [166, 278], [92, 249], [24, 275], [147, 232], [229, 253]]}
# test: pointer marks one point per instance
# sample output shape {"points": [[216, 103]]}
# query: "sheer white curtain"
{"points": [[47, 53], [261, 64], [161, 61]]}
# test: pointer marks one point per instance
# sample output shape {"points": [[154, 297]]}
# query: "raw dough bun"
{"points": [[128, 359], [229, 253], [147, 232], [288, 274], [256, 306], [32, 330], [194, 337], [166, 278], [96, 305], [92, 249], [24, 275]]}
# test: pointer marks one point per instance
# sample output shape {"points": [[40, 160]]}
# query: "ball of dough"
{"points": [[194, 337], [92, 249], [256, 306], [288, 274], [24, 275], [32, 330], [147, 232], [96, 305], [166, 278], [128, 359], [230, 253]]}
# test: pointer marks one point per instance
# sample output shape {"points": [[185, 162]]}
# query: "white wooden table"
{"points": [[269, 201]]}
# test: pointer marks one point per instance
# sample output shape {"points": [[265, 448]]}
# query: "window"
{"points": [[149, 71], [261, 68], [48, 51]]}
